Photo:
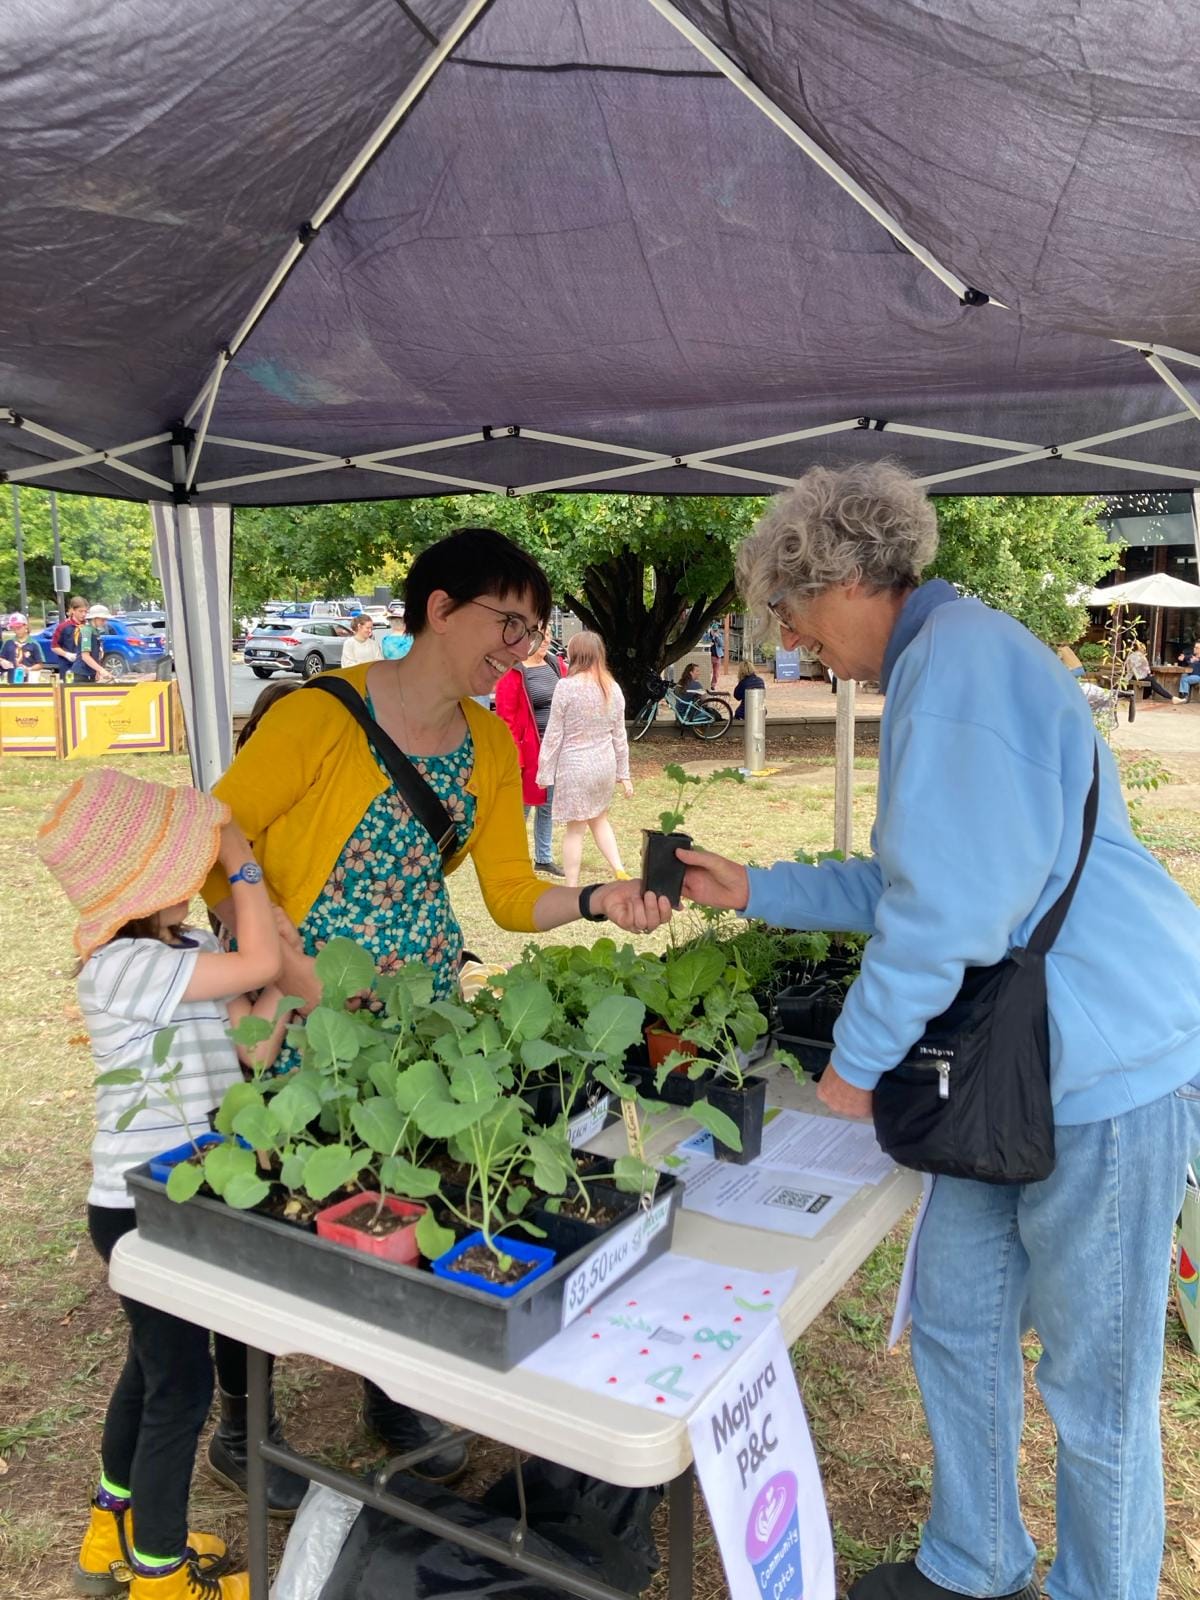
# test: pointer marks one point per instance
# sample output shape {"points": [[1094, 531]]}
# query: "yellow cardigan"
{"points": [[300, 787]]}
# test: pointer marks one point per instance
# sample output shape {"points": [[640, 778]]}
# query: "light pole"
{"points": [[23, 602]]}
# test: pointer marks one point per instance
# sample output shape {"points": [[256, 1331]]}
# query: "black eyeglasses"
{"points": [[516, 630]]}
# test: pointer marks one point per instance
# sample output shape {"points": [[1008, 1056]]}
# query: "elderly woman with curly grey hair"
{"points": [[986, 758]]}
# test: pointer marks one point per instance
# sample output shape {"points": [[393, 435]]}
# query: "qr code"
{"points": [[797, 1200]]}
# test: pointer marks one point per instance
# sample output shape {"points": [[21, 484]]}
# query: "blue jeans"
{"points": [[1083, 1257], [1186, 682], [543, 828]]}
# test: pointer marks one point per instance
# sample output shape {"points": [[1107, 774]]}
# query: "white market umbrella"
{"points": [[1157, 589]]}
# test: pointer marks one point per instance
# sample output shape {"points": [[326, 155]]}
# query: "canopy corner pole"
{"points": [[729, 69], [210, 400], [308, 229], [1176, 385]]}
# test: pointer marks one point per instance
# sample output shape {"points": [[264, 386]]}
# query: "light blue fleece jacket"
{"points": [[985, 760]]}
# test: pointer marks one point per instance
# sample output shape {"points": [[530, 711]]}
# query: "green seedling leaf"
{"points": [[432, 1239], [344, 969], [223, 1162], [130, 1112], [633, 1176], [161, 1049], [331, 1035], [402, 1177], [118, 1077], [257, 1125], [615, 1024], [296, 1104], [472, 1083], [458, 1016], [245, 1190], [518, 1198], [291, 1171], [379, 1123], [184, 1180], [236, 1097], [539, 1054], [718, 1124], [614, 1083], [552, 1164], [329, 1166], [527, 1009], [251, 1031], [692, 973], [287, 1004]]}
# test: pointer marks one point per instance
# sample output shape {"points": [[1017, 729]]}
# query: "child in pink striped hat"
{"points": [[130, 855]]}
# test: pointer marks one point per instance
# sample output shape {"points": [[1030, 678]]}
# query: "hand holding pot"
{"points": [[711, 880], [630, 907], [841, 1097]]}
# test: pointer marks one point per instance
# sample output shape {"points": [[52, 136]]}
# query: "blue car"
{"points": [[123, 650]]}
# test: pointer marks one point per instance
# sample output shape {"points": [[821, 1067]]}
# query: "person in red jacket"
{"points": [[523, 699]]}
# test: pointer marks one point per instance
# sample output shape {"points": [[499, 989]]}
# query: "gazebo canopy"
{"points": [[258, 251]]}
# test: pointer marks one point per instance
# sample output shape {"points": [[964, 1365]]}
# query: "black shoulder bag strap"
{"points": [[1049, 928], [424, 804]]}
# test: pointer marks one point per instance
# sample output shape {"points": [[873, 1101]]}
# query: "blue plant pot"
{"points": [[540, 1259], [160, 1166]]}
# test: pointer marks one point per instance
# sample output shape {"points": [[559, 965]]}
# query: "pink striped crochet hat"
{"points": [[123, 848]]}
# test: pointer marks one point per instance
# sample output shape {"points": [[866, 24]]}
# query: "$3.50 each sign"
{"points": [[612, 1258]]}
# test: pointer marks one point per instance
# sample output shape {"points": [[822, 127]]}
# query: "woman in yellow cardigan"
{"points": [[342, 852]]}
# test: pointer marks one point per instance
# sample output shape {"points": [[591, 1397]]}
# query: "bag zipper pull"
{"points": [[943, 1072]]}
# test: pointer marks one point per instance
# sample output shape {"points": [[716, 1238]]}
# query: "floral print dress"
{"points": [[387, 890]]}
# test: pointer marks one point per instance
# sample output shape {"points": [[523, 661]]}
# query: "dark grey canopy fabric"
{"points": [[583, 228]]}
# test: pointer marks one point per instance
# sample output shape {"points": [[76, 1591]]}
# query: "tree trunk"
{"points": [[642, 639]]}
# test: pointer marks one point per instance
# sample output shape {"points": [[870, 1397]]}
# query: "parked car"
{"points": [[284, 645], [310, 609], [124, 649]]}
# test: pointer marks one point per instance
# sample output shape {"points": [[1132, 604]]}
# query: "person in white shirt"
{"points": [[361, 645], [156, 998]]}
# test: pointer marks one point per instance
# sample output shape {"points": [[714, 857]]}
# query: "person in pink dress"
{"points": [[585, 754]]}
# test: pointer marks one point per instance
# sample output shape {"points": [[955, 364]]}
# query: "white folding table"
{"points": [[609, 1439]]}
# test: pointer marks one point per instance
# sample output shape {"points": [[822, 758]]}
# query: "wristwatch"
{"points": [[250, 873], [585, 904]]}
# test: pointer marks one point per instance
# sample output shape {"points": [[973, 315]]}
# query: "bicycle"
{"points": [[705, 716]]}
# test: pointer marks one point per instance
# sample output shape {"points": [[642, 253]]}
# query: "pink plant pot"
{"points": [[399, 1247]]}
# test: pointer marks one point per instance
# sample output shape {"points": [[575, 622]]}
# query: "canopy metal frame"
{"points": [[395, 462]]}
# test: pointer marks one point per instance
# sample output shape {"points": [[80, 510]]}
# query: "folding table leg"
{"points": [[679, 1536], [257, 1383]]}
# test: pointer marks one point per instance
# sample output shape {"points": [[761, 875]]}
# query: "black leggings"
{"points": [[157, 1409]]}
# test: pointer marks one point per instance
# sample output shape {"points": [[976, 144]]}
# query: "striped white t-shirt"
{"points": [[129, 991]]}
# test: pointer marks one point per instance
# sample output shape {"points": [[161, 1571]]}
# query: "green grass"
{"points": [[64, 1336]]}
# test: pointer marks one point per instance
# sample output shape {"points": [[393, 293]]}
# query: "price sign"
{"points": [[588, 1123], [612, 1258]]}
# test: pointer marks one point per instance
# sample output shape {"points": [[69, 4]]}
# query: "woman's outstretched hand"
{"points": [[630, 907], [711, 880]]}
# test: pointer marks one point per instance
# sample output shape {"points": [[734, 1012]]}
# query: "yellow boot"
{"points": [[103, 1567], [191, 1580]]}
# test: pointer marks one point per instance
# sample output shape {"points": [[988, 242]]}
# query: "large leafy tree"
{"points": [[648, 574], [1034, 556], [106, 543]]}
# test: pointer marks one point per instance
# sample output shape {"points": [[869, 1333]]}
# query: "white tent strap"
{"points": [[1176, 385], [796, 134], [77, 449], [456, 31]]}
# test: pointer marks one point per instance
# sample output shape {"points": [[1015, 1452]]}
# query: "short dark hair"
{"points": [[468, 563]]}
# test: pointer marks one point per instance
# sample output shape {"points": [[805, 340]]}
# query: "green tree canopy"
{"points": [[1034, 556], [106, 544]]}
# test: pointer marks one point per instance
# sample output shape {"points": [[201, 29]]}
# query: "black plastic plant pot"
{"points": [[544, 1098], [662, 873], [810, 1009], [565, 1234], [448, 1315], [745, 1107]]}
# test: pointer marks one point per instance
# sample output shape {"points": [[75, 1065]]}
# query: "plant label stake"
{"points": [[633, 1138]]}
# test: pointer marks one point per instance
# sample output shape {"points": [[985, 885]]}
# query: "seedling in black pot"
{"points": [[662, 871]]}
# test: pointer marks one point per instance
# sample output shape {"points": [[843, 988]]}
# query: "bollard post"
{"points": [[843, 767], [755, 704]]}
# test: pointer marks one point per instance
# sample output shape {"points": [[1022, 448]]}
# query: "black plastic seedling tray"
{"points": [[406, 1300]]}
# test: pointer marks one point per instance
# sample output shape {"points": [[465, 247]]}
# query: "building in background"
{"points": [[1159, 532]]}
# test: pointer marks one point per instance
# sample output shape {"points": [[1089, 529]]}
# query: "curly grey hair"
{"points": [[871, 524]]}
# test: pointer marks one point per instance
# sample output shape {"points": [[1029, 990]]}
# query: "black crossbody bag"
{"points": [[422, 802], [972, 1097]]}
